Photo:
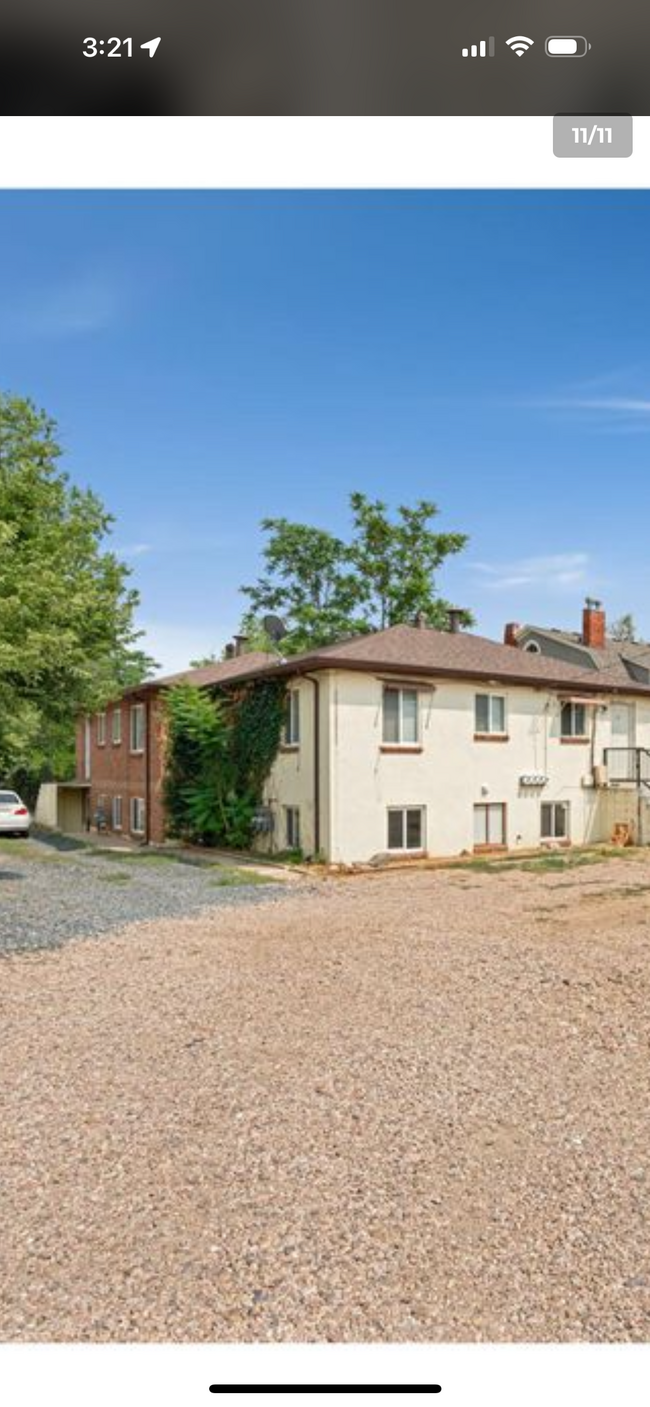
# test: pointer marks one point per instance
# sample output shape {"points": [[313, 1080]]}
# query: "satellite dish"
{"points": [[274, 627]]}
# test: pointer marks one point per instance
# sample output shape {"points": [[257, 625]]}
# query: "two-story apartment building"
{"points": [[408, 741]]}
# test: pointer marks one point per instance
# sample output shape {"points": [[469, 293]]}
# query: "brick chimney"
{"points": [[510, 633], [454, 619], [241, 642], [593, 624]]}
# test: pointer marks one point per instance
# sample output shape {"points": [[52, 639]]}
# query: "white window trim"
{"points": [[134, 829], [116, 718], [101, 729], [566, 807], [291, 733], [400, 690], [117, 825], [491, 732], [408, 849], [137, 710]]}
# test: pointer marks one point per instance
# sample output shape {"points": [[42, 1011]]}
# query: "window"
{"points": [[137, 728], [406, 828], [573, 723], [490, 824], [490, 714], [137, 815], [555, 820], [117, 726], [291, 736], [400, 717], [292, 827], [101, 729], [117, 813], [532, 648]]}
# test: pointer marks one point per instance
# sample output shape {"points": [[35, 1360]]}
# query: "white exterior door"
{"points": [[622, 725]]}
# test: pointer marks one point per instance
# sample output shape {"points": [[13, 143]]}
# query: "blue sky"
{"points": [[213, 358]]}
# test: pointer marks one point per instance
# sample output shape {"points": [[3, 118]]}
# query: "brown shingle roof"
{"points": [[412, 650], [222, 672]]}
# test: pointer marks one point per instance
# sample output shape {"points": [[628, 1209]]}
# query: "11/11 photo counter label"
{"points": [[592, 135]]}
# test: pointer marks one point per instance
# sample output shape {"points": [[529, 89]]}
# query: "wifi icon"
{"points": [[520, 44]]}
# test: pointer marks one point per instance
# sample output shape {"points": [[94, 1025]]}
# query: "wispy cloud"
{"points": [[89, 300], [622, 405], [134, 549], [559, 570]]}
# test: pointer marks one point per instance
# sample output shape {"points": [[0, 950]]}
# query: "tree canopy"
{"points": [[385, 573], [67, 636]]}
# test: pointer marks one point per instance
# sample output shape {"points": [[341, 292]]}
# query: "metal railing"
{"points": [[628, 765]]}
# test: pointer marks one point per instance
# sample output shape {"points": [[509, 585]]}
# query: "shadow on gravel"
{"points": [[10, 874], [59, 842]]}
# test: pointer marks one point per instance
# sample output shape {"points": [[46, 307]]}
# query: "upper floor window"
{"points": [[137, 728], [490, 714], [101, 729], [117, 726], [573, 720], [291, 731], [400, 717]]}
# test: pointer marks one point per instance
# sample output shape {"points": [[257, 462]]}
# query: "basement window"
{"points": [[555, 820], [292, 827], [406, 828], [489, 825], [400, 717]]}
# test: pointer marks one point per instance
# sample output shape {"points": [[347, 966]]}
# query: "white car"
{"points": [[14, 815]]}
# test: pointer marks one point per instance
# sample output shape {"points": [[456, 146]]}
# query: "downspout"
{"points": [[316, 683], [147, 771]]}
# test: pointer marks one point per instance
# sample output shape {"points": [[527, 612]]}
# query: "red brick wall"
{"points": [[116, 771]]}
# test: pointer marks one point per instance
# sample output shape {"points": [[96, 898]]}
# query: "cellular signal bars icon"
{"points": [[483, 50]]}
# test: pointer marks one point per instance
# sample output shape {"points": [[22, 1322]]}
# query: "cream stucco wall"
{"points": [[449, 775]]}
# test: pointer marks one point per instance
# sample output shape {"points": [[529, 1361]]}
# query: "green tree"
{"points": [[67, 639], [624, 629], [327, 588], [396, 561]]}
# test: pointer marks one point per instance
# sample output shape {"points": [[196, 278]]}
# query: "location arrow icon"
{"points": [[151, 45]]}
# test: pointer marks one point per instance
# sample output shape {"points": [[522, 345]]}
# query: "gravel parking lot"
{"points": [[49, 894], [403, 1107]]}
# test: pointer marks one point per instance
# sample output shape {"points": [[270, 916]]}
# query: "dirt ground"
{"points": [[411, 1107]]}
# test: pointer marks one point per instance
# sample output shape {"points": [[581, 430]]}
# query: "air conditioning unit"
{"points": [[599, 778], [533, 779]]}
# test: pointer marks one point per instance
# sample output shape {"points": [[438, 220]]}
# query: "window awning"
{"points": [[579, 699]]}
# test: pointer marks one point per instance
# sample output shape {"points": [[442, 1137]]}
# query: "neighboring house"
{"points": [[408, 741], [589, 648]]}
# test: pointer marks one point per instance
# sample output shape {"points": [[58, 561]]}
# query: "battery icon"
{"points": [[567, 46]]}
